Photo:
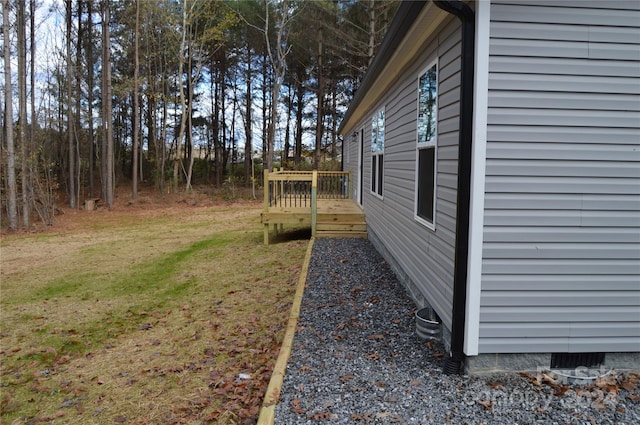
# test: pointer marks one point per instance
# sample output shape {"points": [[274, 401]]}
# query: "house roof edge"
{"points": [[406, 15]]}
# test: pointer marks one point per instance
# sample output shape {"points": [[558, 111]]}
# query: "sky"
{"points": [[50, 45]]}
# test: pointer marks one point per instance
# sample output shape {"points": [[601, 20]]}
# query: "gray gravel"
{"points": [[356, 359]]}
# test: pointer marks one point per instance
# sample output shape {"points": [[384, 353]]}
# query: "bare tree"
{"points": [[71, 165], [90, 83], [136, 109], [32, 85], [12, 207], [107, 126], [248, 130], [372, 30], [320, 97], [21, 23], [183, 102], [277, 53]]}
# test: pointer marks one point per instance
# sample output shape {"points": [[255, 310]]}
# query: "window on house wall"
{"points": [[377, 152], [426, 145]]}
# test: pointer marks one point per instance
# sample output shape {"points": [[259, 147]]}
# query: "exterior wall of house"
{"points": [[350, 152], [561, 250], [423, 257]]}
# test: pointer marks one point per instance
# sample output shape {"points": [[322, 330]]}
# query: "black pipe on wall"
{"points": [[454, 364]]}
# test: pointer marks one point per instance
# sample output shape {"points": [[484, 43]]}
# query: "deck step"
{"points": [[330, 234], [341, 218], [342, 227], [351, 226]]}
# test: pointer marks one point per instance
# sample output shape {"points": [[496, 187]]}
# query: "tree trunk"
{"points": [[107, 112], [248, 144], [265, 118], [78, 133], [191, 146], [215, 124], [273, 118], [232, 130], [219, 138], [12, 207], [32, 84], [22, 110], [299, 115], [287, 131], [70, 123], [320, 94], [136, 110], [183, 102], [372, 30], [163, 132], [152, 144], [90, 82], [103, 106], [334, 120], [279, 68], [223, 121]]}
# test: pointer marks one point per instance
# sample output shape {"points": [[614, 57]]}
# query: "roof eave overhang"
{"points": [[413, 25]]}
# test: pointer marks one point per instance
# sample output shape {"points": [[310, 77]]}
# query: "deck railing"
{"points": [[333, 184], [293, 189]]}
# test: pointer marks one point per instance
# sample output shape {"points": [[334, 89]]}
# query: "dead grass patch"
{"points": [[142, 315]]}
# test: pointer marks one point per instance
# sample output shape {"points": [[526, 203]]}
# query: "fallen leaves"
{"points": [[629, 386], [495, 385], [347, 378], [324, 416], [531, 378], [296, 406], [487, 404], [603, 393]]}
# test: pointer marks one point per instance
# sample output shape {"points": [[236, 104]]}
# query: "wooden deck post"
{"points": [[314, 202], [266, 205]]}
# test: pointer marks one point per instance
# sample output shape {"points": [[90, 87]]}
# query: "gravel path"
{"points": [[356, 359]]}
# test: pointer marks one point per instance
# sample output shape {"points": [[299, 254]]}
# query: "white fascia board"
{"points": [[481, 94]]}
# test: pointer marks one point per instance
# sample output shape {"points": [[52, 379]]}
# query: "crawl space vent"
{"points": [[574, 360]]}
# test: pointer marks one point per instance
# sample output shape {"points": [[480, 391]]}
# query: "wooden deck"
{"points": [[294, 199]]}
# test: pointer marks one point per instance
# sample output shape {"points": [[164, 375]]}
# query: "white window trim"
{"points": [[378, 153], [433, 144]]}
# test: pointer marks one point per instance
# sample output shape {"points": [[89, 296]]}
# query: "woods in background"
{"points": [[172, 93]]}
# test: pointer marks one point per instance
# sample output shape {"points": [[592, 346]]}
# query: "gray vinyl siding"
{"points": [[350, 154], [561, 250], [425, 255]]}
